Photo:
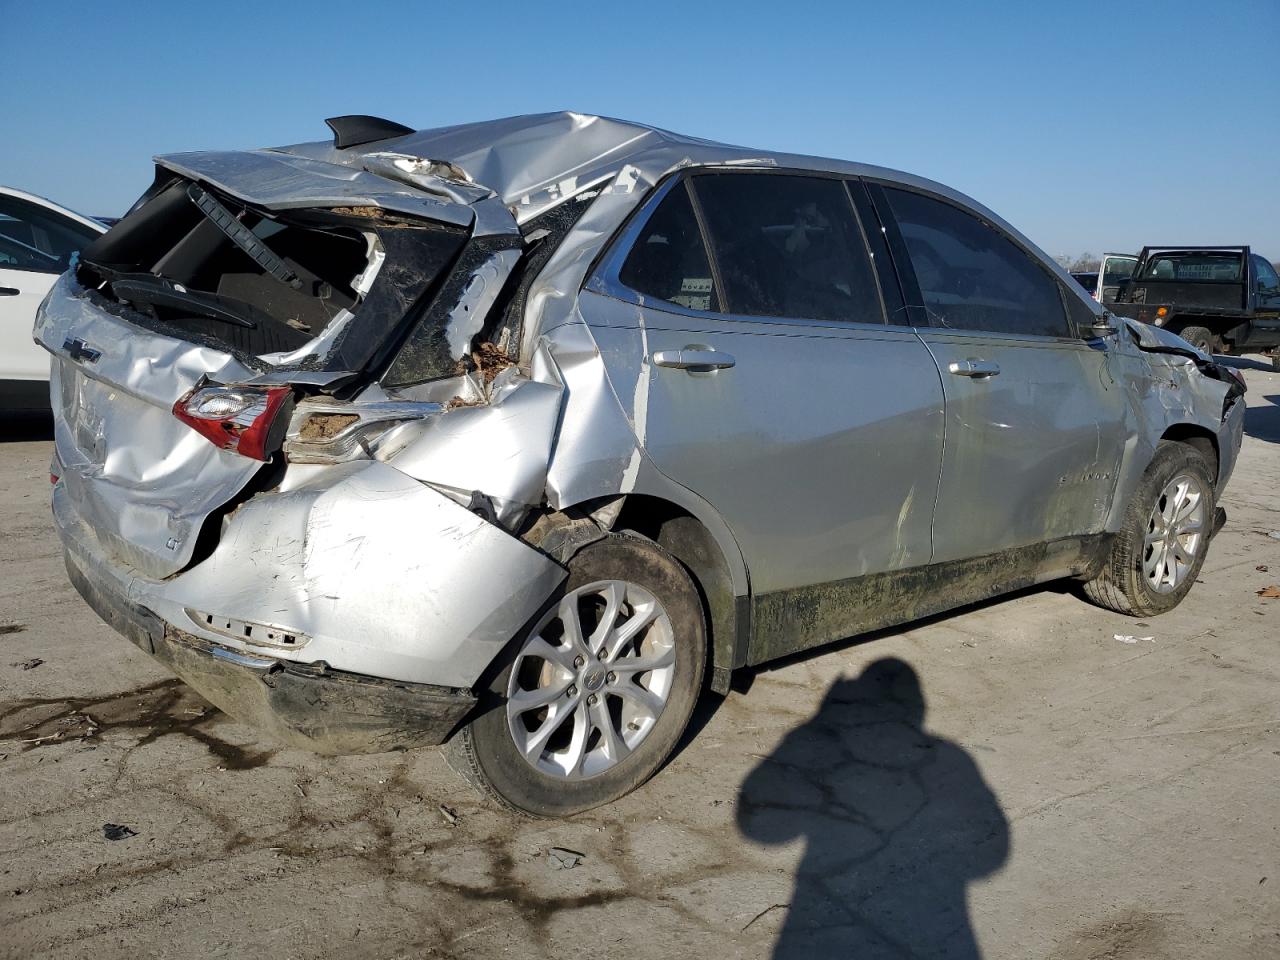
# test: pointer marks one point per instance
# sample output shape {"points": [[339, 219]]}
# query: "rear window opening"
{"points": [[1193, 266], [218, 270]]}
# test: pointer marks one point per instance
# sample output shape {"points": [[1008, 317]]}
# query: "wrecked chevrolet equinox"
{"points": [[519, 434]]}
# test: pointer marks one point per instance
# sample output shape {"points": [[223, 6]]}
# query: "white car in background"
{"points": [[38, 238]]}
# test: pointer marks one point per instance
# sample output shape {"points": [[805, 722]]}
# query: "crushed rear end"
{"points": [[236, 490]]}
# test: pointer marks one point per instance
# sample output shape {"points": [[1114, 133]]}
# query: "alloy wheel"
{"points": [[591, 680], [1174, 531]]}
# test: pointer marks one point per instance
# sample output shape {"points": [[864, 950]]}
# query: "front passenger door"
{"points": [[1034, 417]]}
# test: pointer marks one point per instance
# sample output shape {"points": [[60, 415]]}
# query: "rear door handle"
{"points": [[9, 291], [693, 358], [974, 367]]}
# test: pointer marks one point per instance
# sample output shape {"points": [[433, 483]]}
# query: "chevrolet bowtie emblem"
{"points": [[77, 349]]}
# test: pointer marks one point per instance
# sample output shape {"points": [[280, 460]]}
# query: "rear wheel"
{"points": [[1199, 337], [595, 697], [1159, 550]]}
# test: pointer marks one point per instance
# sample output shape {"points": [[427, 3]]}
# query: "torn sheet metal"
{"points": [[330, 431], [1169, 383], [433, 176], [333, 558], [1159, 339], [467, 315], [500, 449], [281, 181]]}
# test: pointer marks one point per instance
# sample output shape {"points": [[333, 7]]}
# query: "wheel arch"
{"points": [[1199, 438], [703, 545]]}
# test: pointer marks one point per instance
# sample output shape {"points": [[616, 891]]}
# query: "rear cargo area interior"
{"points": [[231, 292]]}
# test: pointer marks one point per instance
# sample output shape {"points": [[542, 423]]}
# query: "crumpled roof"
{"points": [[534, 162], [531, 163], [521, 157]]}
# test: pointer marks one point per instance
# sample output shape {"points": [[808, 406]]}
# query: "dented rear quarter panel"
{"points": [[374, 572]]}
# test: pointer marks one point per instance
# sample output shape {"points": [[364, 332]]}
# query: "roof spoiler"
{"points": [[356, 128]]}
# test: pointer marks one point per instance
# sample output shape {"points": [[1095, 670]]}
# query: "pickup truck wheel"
{"points": [[1158, 552], [1198, 337], [593, 699]]}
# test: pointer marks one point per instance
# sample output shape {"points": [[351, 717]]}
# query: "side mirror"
{"points": [[1102, 325]]}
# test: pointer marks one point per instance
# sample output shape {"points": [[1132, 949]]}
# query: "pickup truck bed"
{"points": [[1222, 299]]}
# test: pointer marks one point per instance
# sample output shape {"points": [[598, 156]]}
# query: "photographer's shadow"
{"points": [[896, 823]]}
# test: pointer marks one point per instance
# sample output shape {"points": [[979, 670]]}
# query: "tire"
{"points": [[571, 771], [1125, 583], [1199, 337]]}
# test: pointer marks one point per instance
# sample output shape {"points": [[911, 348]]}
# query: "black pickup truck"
{"points": [[1221, 299]]}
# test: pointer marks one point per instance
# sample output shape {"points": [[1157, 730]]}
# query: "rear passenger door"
{"points": [[772, 386], [1035, 419]]}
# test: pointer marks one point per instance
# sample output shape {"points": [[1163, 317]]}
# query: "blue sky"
{"points": [[1089, 126]]}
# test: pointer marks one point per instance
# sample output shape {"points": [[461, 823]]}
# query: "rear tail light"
{"points": [[245, 420]]}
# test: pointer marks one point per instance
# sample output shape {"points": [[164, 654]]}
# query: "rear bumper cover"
{"points": [[361, 566], [349, 611], [301, 705]]}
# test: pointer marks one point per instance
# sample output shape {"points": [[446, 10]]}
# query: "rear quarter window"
{"points": [[668, 260], [1193, 266]]}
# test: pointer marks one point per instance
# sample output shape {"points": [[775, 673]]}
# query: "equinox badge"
{"points": [[78, 350]]}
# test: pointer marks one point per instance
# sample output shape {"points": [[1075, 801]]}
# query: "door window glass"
{"points": [[1116, 270], [788, 246], [971, 276], [1266, 274], [33, 238], [668, 260]]}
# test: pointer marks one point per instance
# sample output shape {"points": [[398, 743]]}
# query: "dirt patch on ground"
{"points": [[1128, 936], [166, 708]]}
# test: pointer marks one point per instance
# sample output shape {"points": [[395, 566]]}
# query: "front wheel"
{"points": [[595, 697], [1162, 544]]}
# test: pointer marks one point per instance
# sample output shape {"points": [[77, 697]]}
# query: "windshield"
{"points": [[1193, 265]]}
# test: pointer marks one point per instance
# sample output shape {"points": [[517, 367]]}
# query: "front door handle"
{"points": [[974, 367], [695, 358], [9, 291]]}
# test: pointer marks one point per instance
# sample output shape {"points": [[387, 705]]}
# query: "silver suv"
{"points": [[519, 434]]}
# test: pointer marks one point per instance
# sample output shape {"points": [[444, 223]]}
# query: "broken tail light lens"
{"points": [[245, 420]]}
